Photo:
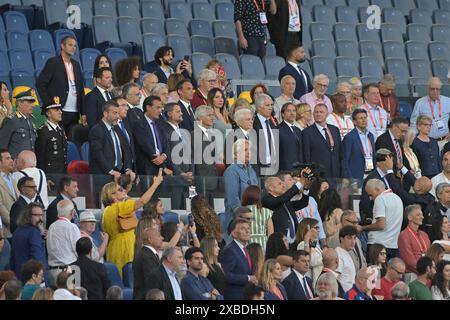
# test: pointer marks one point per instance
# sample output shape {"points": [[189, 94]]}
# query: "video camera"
{"points": [[316, 170]]}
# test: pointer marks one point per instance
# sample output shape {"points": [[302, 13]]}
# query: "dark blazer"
{"points": [[291, 146], [300, 87], [128, 145], [94, 278], [257, 125], [237, 270], [52, 212], [354, 154], [294, 288], [317, 150], [269, 295], [385, 141], [51, 150], [16, 209], [188, 120], [101, 151], [144, 264], [133, 116], [202, 169], [94, 107], [160, 280], [52, 82], [146, 149], [153, 67], [279, 204], [365, 204]]}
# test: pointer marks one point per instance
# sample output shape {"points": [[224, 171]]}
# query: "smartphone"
{"points": [[186, 58], [160, 172], [191, 220]]}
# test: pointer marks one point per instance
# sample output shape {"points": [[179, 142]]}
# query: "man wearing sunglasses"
{"points": [[394, 273], [28, 190]]}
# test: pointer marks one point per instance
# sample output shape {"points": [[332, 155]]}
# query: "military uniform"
{"points": [[51, 149]]}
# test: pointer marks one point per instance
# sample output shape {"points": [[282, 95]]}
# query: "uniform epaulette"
{"points": [[18, 114]]}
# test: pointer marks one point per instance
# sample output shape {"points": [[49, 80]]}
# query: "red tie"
{"points": [[247, 255]]}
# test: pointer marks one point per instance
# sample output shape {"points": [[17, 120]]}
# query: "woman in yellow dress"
{"points": [[120, 248]]}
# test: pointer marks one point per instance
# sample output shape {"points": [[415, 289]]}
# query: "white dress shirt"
{"points": [[61, 240], [34, 173]]}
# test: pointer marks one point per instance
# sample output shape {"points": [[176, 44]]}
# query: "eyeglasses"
{"points": [[400, 273], [352, 222], [33, 187], [211, 81], [322, 85]]}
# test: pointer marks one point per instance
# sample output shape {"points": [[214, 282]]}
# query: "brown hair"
{"points": [[252, 91], [124, 69], [210, 99], [251, 195], [205, 216], [173, 80], [303, 228]]}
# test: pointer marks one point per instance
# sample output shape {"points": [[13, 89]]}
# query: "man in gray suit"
{"points": [[8, 189]]}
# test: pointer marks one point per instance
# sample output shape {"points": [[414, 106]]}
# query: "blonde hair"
{"points": [[301, 110], [303, 228], [43, 294], [409, 137], [422, 118], [207, 245], [266, 279], [107, 193], [143, 224]]}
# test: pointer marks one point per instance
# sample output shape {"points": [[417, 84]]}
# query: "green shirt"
{"points": [[28, 291], [419, 291]]}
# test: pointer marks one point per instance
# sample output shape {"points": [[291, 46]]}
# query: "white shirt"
{"points": [[103, 92], [300, 72], [150, 121], [205, 131], [241, 246], [374, 114], [71, 102], [264, 126], [61, 240], [344, 125], [440, 178], [346, 268], [320, 128], [116, 140], [27, 200], [53, 126], [389, 206], [279, 102], [34, 173], [64, 294], [300, 278]]}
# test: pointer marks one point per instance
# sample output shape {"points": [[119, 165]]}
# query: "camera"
{"points": [[316, 170]]}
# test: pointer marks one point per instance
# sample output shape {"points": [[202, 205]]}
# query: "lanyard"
{"points": [[64, 219], [278, 293], [257, 7], [69, 70], [339, 124], [302, 212], [431, 108], [331, 138], [387, 191], [420, 243], [388, 104], [369, 147], [290, 7], [372, 118]]}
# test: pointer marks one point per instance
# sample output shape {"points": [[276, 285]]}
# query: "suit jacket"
{"points": [[127, 141], [146, 149], [294, 288], [202, 169], [385, 141], [317, 150], [134, 115], [354, 154], [188, 120], [341, 291], [7, 200], [51, 150], [144, 264], [365, 204], [278, 205], [291, 146], [236, 269], [153, 67], [52, 211], [94, 278], [52, 81], [270, 295], [257, 125], [160, 280], [102, 155], [300, 87], [16, 209], [94, 107], [358, 256], [198, 99]]}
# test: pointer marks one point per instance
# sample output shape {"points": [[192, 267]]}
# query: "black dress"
{"points": [[217, 278]]}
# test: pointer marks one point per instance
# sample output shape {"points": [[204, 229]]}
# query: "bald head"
{"points": [[434, 88], [65, 209], [422, 185], [26, 159], [275, 186], [330, 259]]}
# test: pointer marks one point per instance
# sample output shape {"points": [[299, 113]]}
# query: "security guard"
{"points": [[18, 131], [51, 144]]}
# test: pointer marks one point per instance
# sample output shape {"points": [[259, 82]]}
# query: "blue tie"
{"points": [[158, 141], [122, 127]]}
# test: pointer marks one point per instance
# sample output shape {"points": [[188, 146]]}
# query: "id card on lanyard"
{"points": [[367, 154], [379, 130], [294, 16], [71, 77], [262, 13], [439, 123]]}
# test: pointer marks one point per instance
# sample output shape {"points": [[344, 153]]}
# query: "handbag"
{"points": [[127, 223]]}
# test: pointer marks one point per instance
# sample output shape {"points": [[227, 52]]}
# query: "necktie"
{"points": [[249, 261], [269, 136], [356, 250], [117, 150], [327, 138], [158, 141], [107, 95], [306, 287], [122, 127], [398, 150], [302, 76], [177, 130], [191, 113]]}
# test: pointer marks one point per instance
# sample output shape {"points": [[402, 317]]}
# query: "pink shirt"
{"points": [[412, 246], [312, 100]]}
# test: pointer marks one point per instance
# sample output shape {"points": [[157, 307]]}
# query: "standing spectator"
{"points": [[441, 281], [388, 99], [124, 131], [27, 242], [98, 96], [127, 70], [338, 117], [216, 100], [239, 104], [68, 190], [298, 285], [102, 61], [9, 192], [346, 267], [206, 220], [400, 291], [224, 82], [437, 107], [439, 235], [419, 288], [365, 282], [412, 242], [250, 20], [344, 88], [291, 145], [149, 80], [87, 228], [409, 153], [62, 77], [295, 56], [287, 95], [207, 79], [426, 148], [356, 97], [163, 65], [330, 212], [27, 189], [330, 264], [257, 257], [94, 277], [6, 109], [395, 273], [304, 116], [442, 177], [327, 288], [212, 268], [12, 289], [172, 82], [185, 91], [270, 281], [243, 124], [257, 90], [317, 95], [387, 217], [132, 94], [18, 131], [378, 117], [32, 274]]}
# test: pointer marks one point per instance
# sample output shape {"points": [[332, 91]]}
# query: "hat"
{"points": [[52, 105], [21, 89], [26, 96], [87, 217]]}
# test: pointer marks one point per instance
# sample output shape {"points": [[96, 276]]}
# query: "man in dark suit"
{"points": [[303, 84], [28, 190], [61, 77], [132, 94], [152, 148], [68, 189], [98, 96], [322, 144], [291, 145], [359, 147], [298, 285], [124, 131], [146, 262], [94, 277], [186, 92], [107, 155], [236, 262]]}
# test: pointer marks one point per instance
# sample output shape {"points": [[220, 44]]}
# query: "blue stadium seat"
{"points": [[180, 10], [105, 29], [439, 50], [15, 21], [320, 31], [382, 3], [126, 8], [273, 65], [362, 14], [59, 35], [203, 11], [418, 32], [10, 2], [224, 29], [346, 14], [17, 40], [152, 9], [444, 5], [88, 77], [202, 44], [23, 77], [200, 28], [129, 30], [226, 45], [398, 68], [152, 25], [416, 50], [151, 43], [427, 5], [440, 69], [347, 48], [169, 216], [270, 50], [358, 3], [168, 2], [441, 17], [176, 26], [324, 14], [346, 67], [344, 31], [36, 3], [306, 65], [365, 33], [85, 151], [252, 67], [116, 54], [370, 67], [405, 6], [371, 49], [225, 11], [128, 278], [321, 65], [214, 2], [72, 152], [440, 33], [87, 57], [323, 48], [394, 16], [199, 61], [420, 68], [306, 17], [105, 8], [230, 64], [21, 59], [85, 9], [309, 4], [405, 109], [391, 32], [420, 16], [55, 12], [394, 49], [113, 274], [334, 3], [40, 58], [41, 39], [181, 46], [5, 67]]}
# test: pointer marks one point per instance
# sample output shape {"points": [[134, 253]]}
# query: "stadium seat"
{"points": [[180, 10], [358, 3], [427, 5], [344, 31], [105, 8], [398, 68], [334, 3], [365, 33], [17, 40], [55, 13], [181, 46], [126, 8], [85, 151], [405, 6], [176, 26], [5, 67], [152, 9], [37, 3], [200, 28], [418, 32], [346, 14], [113, 274], [405, 109], [363, 16], [199, 60], [440, 69], [214, 2], [21, 59], [72, 152], [168, 2], [346, 67], [370, 67], [394, 49], [115, 54], [88, 56], [324, 14], [325, 66], [230, 64], [129, 30], [439, 50], [444, 5], [440, 33], [252, 67], [273, 65], [416, 50], [152, 25], [306, 65], [347, 48], [203, 11], [225, 11], [128, 278], [271, 51], [88, 77], [382, 3], [169, 216], [15, 21], [306, 17], [225, 45], [41, 39], [420, 68], [151, 43], [40, 57], [421, 17], [320, 31], [107, 36], [78, 135], [394, 16], [23, 77], [202, 44], [391, 32], [224, 29], [323, 48], [309, 4], [78, 167], [85, 8], [441, 17]]}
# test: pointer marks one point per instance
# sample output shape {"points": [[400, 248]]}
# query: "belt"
{"points": [[57, 267]]}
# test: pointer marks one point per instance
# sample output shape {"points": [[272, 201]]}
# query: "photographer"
{"points": [[278, 199]]}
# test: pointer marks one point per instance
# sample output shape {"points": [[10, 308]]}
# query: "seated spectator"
{"points": [[377, 257], [256, 91], [327, 287], [94, 277], [346, 267], [65, 290], [127, 70], [298, 285], [163, 65], [440, 206], [344, 88], [330, 263], [206, 220], [207, 80], [216, 100], [253, 292], [212, 269], [194, 286], [155, 294], [440, 235], [338, 117], [356, 97], [12, 289], [223, 82], [304, 116], [114, 293], [317, 95], [270, 281], [287, 84], [256, 257], [388, 99], [239, 104], [441, 281], [87, 228], [330, 212], [43, 294], [419, 288], [400, 291], [28, 194], [172, 83], [161, 91], [364, 284], [435, 252], [6, 108], [68, 189], [33, 276], [277, 247], [444, 176], [395, 273], [410, 155]]}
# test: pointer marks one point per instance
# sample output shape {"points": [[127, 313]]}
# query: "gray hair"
{"points": [[388, 79], [435, 79], [375, 184], [205, 74], [241, 113], [261, 100], [117, 92], [114, 293], [320, 77], [65, 208], [238, 146], [400, 291], [269, 181], [329, 279], [395, 262], [383, 152], [168, 252], [411, 208], [170, 107], [201, 111], [440, 188], [145, 76], [343, 84], [127, 88], [286, 77], [157, 88], [347, 213]]}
